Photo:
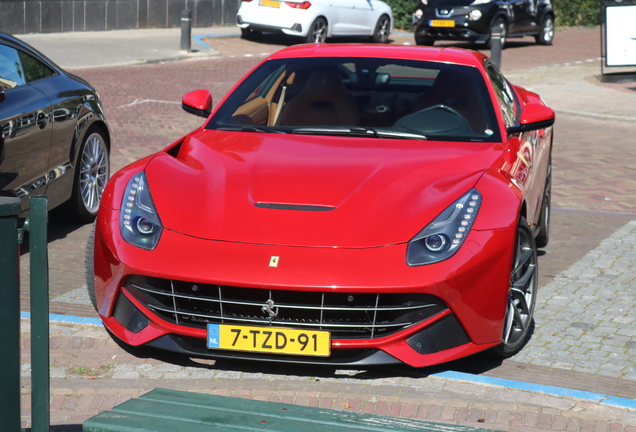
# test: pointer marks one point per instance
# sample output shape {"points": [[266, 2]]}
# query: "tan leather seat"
{"points": [[456, 91], [323, 102]]}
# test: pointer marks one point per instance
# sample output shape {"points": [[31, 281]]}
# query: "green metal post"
{"points": [[9, 315], [40, 383]]}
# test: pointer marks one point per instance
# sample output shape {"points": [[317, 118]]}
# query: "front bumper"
{"points": [[471, 286], [464, 29]]}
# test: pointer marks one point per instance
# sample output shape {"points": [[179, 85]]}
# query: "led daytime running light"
{"points": [[140, 224], [441, 239]]}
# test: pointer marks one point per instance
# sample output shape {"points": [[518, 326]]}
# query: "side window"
{"points": [[33, 69], [11, 73], [505, 95]]}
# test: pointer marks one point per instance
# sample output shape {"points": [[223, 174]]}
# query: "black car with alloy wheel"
{"points": [[55, 139], [475, 20]]}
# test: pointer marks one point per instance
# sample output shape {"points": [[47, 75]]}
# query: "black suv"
{"points": [[474, 20]]}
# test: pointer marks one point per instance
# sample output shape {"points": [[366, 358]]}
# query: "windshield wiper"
{"points": [[248, 129], [359, 131], [402, 135]]}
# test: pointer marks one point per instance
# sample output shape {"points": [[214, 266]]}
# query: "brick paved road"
{"points": [[593, 180], [91, 373]]}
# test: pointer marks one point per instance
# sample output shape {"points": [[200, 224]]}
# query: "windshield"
{"points": [[375, 98]]}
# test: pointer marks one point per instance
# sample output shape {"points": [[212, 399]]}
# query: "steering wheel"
{"points": [[447, 121], [451, 110]]}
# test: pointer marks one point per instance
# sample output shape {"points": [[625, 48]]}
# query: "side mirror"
{"points": [[197, 102], [533, 117]]}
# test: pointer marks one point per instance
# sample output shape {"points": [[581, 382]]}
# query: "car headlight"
{"points": [[474, 15], [440, 239], [418, 14], [479, 2], [139, 222]]}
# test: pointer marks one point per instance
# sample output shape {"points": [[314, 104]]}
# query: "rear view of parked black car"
{"points": [[55, 139], [474, 20]]}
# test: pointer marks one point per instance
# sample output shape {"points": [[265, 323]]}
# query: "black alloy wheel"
{"points": [[522, 293], [546, 31], [317, 31], [501, 25], [382, 30]]}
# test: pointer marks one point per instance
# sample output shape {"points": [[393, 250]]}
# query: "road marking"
{"points": [[143, 101], [540, 388]]}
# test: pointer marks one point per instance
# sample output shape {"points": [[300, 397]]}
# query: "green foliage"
{"points": [[577, 12], [568, 12], [402, 13]]}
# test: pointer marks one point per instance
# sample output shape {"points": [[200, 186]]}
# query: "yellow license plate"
{"points": [[270, 3], [276, 340], [441, 23]]}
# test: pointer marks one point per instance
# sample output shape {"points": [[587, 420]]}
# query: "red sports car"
{"points": [[343, 204]]}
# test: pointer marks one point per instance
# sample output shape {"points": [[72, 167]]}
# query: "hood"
{"points": [[310, 190], [449, 3]]}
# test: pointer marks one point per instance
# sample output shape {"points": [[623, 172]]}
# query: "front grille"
{"points": [[457, 11], [345, 315]]}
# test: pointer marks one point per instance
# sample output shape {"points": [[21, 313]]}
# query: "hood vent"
{"points": [[299, 207]]}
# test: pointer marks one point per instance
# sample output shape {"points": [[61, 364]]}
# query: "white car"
{"points": [[316, 20]]}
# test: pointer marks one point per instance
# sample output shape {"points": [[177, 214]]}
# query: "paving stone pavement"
{"points": [[585, 317], [91, 373]]}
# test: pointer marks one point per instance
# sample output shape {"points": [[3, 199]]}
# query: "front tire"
{"points": [[92, 171], [522, 293], [89, 267], [317, 31], [546, 31], [543, 236], [499, 24], [382, 30]]}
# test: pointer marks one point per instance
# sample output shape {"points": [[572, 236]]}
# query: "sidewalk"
{"points": [[79, 50], [91, 373]]}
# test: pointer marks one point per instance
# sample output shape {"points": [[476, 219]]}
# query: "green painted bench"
{"points": [[162, 410]]}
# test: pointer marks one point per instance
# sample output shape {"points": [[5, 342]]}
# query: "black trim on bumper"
{"points": [[195, 347]]}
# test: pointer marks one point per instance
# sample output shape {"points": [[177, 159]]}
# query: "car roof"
{"points": [[437, 54]]}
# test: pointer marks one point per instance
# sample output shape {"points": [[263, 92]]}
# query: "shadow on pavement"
{"points": [[57, 230], [475, 364], [284, 40]]}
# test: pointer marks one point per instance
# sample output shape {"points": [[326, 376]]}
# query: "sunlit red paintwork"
{"points": [[384, 195]]}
